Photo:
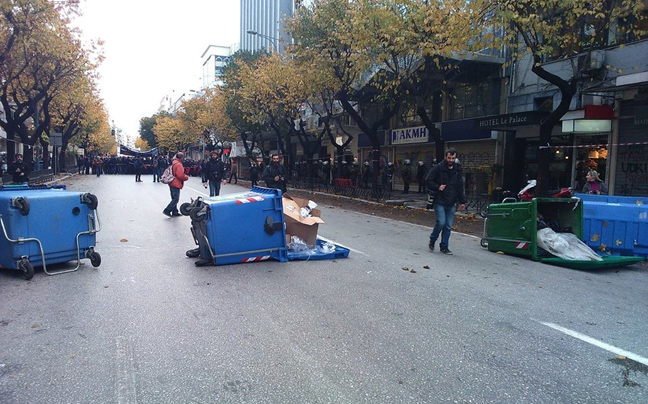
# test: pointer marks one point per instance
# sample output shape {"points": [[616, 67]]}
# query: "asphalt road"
{"points": [[393, 323]]}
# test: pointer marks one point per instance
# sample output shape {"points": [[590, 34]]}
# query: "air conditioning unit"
{"points": [[588, 99], [593, 61]]}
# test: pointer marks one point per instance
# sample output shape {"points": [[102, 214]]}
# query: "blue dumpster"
{"points": [[241, 227], [616, 225], [630, 200], [46, 225]]}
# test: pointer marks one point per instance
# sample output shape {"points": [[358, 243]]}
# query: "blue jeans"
{"points": [[214, 187], [172, 207], [444, 218]]}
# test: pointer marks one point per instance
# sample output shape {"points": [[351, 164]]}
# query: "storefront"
{"points": [[517, 152], [631, 167], [591, 128]]}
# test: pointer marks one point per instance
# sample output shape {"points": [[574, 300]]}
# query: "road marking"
{"points": [[600, 344], [348, 248], [125, 390], [199, 191]]}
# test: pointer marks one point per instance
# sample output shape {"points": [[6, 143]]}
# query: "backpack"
{"points": [[167, 176]]}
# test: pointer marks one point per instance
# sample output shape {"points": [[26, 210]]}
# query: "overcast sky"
{"points": [[153, 49]]}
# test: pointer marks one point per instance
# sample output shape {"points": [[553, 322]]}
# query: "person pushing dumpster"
{"points": [[446, 179]]}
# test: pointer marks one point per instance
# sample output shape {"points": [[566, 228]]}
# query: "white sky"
{"points": [[152, 49]]}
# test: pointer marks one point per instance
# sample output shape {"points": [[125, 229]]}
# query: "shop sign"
{"points": [[509, 120], [641, 116], [418, 134]]}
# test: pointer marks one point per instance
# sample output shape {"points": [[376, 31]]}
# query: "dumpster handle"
{"points": [[22, 240], [576, 201], [91, 230]]}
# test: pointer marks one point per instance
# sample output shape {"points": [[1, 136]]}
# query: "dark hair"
{"points": [[450, 151], [274, 154]]}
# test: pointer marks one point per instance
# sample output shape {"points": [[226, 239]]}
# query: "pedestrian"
{"points": [[214, 173], [406, 175], [233, 172], [594, 184], [163, 163], [156, 169], [88, 165], [274, 174], [254, 173], [446, 179], [137, 165], [97, 165], [19, 170], [420, 177], [176, 185]]}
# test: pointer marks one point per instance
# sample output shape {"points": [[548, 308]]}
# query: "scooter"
{"points": [[527, 193]]}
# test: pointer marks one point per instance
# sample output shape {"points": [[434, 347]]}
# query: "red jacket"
{"points": [[179, 174]]}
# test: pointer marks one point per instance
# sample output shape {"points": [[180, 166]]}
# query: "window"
{"points": [[469, 100]]}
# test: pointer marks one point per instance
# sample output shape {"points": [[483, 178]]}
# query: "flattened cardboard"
{"points": [[303, 227]]}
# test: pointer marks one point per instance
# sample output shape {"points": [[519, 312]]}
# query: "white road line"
{"points": [[125, 383], [600, 344], [199, 191], [335, 242]]}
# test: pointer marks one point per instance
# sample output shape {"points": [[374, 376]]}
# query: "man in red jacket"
{"points": [[176, 185]]}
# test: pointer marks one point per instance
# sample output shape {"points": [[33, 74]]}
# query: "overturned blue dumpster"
{"points": [[616, 225], [253, 226]]}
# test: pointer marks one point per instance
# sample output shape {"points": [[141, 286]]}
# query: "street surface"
{"points": [[393, 323]]}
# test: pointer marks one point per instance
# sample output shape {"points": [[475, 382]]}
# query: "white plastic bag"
{"points": [[566, 246]]}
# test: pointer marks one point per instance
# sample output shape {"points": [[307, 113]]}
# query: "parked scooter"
{"points": [[527, 193]]}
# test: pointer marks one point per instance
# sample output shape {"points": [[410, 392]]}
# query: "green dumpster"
{"points": [[512, 228]]}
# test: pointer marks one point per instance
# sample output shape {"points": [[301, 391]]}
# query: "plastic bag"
{"points": [[566, 246], [326, 247], [297, 244]]}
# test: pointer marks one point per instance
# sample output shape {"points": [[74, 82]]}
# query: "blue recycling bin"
{"points": [[630, 200], [616, 225], [243, 227], [46, 225]]}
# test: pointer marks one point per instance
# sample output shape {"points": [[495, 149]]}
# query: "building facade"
{"points": [[262, 24]]}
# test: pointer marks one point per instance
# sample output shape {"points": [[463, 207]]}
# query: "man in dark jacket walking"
{"points": [[446, 179], [214, 173], [274, 174]]}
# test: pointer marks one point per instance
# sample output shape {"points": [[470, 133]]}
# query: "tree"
{"points": [[373, 48], [170, 135], [204, 117], [41, 56], [551, 30], [142, 144], [252, 130], [73, 113], [146, 128]]}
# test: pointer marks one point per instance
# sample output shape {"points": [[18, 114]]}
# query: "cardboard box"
{"points": [[303, 227]]}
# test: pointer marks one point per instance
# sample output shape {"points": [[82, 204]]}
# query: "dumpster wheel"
{"points": [[91, 200], [95, 258], [185, 208], [27, 268], [22, 204], [483, 242]]}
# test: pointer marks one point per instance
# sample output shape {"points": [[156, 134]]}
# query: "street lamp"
{"points": [[269, 38]]}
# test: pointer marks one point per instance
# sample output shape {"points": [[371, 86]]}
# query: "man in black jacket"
{"points": [[446, 179], [19, 170], [214, 173], [274, 174]]}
